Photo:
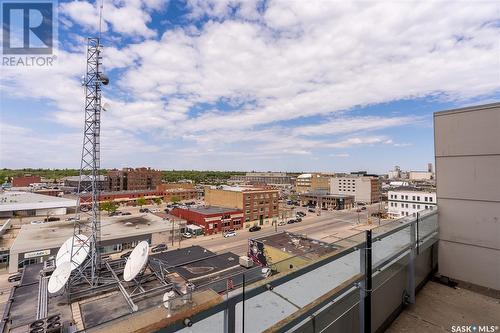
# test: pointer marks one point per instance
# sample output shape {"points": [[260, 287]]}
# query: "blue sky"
{"points": [[255, 85]]}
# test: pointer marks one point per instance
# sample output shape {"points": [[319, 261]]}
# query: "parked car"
{"points": [[37, 222], [254, 228], [229, 233], [52, 219], [187, 235], [126, 254], [126, 213], [143, 210], [72, 219], [311, 210], [155, 210], [166, 210], [298, 219], [281, 223], [363, 208], [159, 248], [14, 277], [291, 221]]}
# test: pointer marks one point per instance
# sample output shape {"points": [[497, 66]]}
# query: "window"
{"points": [[418, 206], [425, 199], [430, 199], [413, 206], [418, 198], [413, 198]]}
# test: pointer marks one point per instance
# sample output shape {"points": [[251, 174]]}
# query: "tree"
{"points": [[109, 206], [175, 199], [157, 201], [141, 201]]}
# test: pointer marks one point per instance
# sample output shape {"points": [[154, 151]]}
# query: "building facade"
{"points": [[73, 181], [212, 219], [467, 149], [260, 206], [420, 175], [14, 203], [407, 202], [327, 201], [129, 179], [366, 189], [130, 197], [312, 182]]}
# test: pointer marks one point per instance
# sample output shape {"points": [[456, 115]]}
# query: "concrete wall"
{"points": [[467, 149], [222, 198]]}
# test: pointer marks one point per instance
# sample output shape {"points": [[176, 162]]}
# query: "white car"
{"points": [[187, 235], [156, 210], [37, 222], [229, 233]]}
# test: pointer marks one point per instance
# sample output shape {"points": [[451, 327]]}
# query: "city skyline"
{"points": [[255, 85]]}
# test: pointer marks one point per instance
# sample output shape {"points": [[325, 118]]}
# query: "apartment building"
{"points": [[259, 205], [312, 182], [364, 188], [407, 202], [467, 149], [130, 179]]}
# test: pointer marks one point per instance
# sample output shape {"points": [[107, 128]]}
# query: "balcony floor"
{"points": [[439, 307]]}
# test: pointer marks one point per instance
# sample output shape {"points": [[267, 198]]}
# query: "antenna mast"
{"points": [[88, 219]]}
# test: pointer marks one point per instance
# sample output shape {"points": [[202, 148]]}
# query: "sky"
{"points": [[281, 85]]}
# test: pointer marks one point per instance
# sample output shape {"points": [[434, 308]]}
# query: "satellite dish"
{"points": [[79, 245], [59, 277], [136, 261], [167, 297]]}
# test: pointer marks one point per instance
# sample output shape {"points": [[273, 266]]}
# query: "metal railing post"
{"points": [[230, 317], [411, 264], [365, 290]]}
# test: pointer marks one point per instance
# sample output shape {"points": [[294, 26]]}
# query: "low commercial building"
{"points": [[73, 181], [327, 201], [37, 243], [286, 251], [259, 205], [409, 201], [25, 181], [212, 219], [130, 197], [15, 203], [365, 188]]}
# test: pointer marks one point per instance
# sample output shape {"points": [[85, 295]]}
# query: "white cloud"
{"points": [[287, 61]]}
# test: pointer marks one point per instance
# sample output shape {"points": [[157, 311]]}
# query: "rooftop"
{"points": [[240, 188], [16, 200], [206, 210], [53, 234]]}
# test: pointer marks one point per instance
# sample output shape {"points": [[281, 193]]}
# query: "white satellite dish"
{"points": [[136, 261], [59, 277], [167, 297], [79, 245]]}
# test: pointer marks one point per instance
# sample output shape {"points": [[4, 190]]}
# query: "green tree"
{"points": [[175, 199], [109, 206], [157, 201], [141, 201]]}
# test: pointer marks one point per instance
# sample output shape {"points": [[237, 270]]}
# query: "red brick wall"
{"points": [[197, 218], [25, 181]]}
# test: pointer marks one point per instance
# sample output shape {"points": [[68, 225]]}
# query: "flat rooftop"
{"points": [[241, 188], [207, 210], [17, 200], [298, 245], [53, 234], [324, 195]]}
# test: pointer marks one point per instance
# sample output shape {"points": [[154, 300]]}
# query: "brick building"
{"points": [[211, 218], [129, 179], [259, 205], [25, 181], [130, 197]]}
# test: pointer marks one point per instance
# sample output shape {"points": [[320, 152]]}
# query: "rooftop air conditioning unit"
{"points": [[246, 261]]}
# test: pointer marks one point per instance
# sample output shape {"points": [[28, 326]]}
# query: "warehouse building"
{"points": [[16, 203], [259, 205], [212, 219]]}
